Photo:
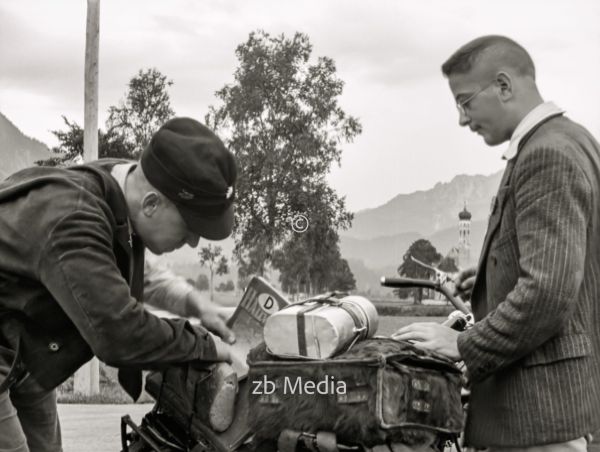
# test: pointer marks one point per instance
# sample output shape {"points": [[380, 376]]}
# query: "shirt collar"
{"points": [[119, 172], [532, 119]]}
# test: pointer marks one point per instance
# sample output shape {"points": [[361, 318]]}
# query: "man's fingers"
{"points": [[465, 275], [409, 337], [464, 287], [419, 331], [424, 345], [468, 283], [225, 312], [217, 326], [223, 350]]}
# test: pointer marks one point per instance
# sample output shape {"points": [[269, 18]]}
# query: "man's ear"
{"points": [[505, 82], [150, 203]]}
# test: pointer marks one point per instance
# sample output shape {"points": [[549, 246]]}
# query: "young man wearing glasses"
{"points": [[533, 355]]}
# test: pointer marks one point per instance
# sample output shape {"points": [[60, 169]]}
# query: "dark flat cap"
{"points": [[191, 166]]}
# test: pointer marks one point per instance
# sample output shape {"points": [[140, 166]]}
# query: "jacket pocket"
{"points": [[560, 348]]}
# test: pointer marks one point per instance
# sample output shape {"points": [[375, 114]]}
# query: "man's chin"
{"points": [[155, 250], [490, 140]]}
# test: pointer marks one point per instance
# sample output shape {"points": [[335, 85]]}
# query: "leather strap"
{"points": [[301, 324]]}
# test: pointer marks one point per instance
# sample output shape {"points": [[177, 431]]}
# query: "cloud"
{"points": [[37, 57], [387, 52]]}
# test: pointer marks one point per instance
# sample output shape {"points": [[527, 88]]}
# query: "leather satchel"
{"points": [[380, 391]]}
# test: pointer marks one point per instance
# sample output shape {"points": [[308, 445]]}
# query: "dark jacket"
{"points": [[534, 352], [64, 269]]}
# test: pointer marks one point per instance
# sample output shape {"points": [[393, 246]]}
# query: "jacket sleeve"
{"points": [[552, 198], [78, 267]]}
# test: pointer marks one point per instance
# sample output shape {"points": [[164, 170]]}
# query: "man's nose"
{"points": [[193, 239], [463, 119]]}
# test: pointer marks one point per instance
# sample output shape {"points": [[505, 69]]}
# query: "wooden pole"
{"points": [[90, 135], [87, 379]]}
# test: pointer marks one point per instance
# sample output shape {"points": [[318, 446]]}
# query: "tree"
{"points": [[129, 126], [424, 251], [146, 107], [311, 259], [202, 282], [226, 286], [282, 120], [211, 257], [448, 265], [342, 277]]}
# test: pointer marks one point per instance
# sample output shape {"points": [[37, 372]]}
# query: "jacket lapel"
{"points": [[497, 208]]}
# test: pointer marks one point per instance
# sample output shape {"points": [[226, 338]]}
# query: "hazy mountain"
{"points": [[378, 252], [380, 236], [18, 151], [427, 211]]}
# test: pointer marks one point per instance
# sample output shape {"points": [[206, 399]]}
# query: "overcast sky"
{"points": [[388, 53]]}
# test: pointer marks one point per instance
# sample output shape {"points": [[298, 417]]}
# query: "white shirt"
{"points": [[532, 119]]}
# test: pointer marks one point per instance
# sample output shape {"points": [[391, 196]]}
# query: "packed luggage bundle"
{"points": [[320, 327], [205, 403], [204, 406], [363, 393], [380, 391]]}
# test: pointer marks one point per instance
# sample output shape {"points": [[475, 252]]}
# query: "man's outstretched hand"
{"points": [[224, 352], [213, 317], [431, 336]]}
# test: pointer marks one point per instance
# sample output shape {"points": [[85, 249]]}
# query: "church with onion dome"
{"points": [[461, 252]]}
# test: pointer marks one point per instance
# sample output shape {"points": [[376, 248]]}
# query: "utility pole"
{"points": [[87, 378]]}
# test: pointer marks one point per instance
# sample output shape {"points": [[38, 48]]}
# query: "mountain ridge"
{"points": [[17, 150], [427, 211]]}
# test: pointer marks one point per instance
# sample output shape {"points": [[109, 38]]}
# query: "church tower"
{"points": [[464, 238]]}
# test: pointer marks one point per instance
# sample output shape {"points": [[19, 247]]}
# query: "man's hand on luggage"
{"points": [[431, 336], [212, 316], [224, 352], [463, 282]]}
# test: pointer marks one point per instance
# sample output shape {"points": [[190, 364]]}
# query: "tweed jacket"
{"points": [[533, 355], [65, 253]]}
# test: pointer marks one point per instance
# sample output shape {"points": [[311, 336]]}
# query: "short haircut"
{"points": [[504, 51]]}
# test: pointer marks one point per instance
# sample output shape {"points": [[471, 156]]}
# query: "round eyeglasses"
{"points": [[462, 105]]}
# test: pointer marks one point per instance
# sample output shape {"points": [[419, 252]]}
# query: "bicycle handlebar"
{"points": [[435, 285]]}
